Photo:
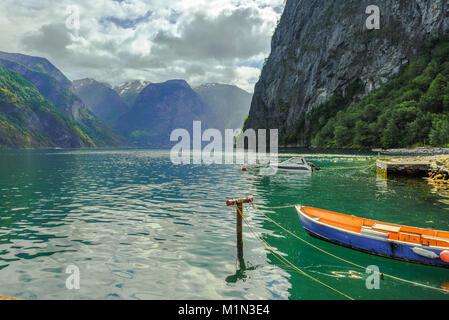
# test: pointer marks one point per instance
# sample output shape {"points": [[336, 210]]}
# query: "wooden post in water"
{"points": [[239, 230], [239, 222]]}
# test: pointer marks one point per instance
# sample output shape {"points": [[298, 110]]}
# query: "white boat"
{"points": [[295, 164]]}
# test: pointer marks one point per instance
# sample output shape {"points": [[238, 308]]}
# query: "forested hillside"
{"points": [[412, 108]]}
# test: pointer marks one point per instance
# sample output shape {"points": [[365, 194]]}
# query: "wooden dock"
{"points": [[403, 167]]}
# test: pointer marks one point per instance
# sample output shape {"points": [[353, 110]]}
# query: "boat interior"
{"points": [[426, 237]]}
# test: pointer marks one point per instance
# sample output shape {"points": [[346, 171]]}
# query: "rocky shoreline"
{"points": [[421, 151]]}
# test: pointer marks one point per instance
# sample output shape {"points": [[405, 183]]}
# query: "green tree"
{"points": [[391, 136], [437, 95], [439, 135], [343, 136], [363, 135]]}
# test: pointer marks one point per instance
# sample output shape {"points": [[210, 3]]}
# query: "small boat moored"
{"points": [[418, 245], [295, 164]]}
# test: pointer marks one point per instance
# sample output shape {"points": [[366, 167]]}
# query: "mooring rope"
{"points": [[269, 208], [363, 168], [284, 260], [337, 257]]}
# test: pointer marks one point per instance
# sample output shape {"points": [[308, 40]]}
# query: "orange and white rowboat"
{"points": [[425, 246]]}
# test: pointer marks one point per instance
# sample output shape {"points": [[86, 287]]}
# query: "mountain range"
{"points": [[41, 108], [38, 109], [162, 107]]}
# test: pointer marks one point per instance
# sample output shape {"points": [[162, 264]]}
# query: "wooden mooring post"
{"points": [[239, 222]]}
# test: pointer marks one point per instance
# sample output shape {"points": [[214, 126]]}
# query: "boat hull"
{"points": [[293, 169], [380, 247]]}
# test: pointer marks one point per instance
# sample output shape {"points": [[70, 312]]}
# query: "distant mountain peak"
{"points": [[180, 82], [88, 81], [216, 85], [104, 101], [159, 109], [38, 64], [130, 90], [133, 85], [210, 85]]}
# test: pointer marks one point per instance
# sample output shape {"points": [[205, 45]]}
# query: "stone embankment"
{"points": [[436, 166], [439, 172]]}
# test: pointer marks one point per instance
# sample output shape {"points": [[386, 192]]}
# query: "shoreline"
{"points": [[421, 151], [418, 151]]}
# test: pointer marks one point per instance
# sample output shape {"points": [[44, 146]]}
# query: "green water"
{"points": [[139, 227]]}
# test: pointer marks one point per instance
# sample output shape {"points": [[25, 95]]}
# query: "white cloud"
{"points": [[198, 40]]}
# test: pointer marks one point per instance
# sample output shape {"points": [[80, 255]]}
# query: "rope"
{"points": [[286, 261], [358, 167], [341, 259], [269, 208]]}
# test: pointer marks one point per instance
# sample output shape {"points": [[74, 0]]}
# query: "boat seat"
{"points": [[386, 227], [369, 230], [424, 236], [411, 234]]}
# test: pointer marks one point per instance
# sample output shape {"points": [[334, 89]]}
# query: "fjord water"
{"points": [[139, 227]]}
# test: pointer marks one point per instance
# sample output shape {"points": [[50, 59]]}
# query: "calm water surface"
{"points": [[139, 227]]}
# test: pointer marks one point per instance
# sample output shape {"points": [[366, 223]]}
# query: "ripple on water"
{"points": [[139, 227]]}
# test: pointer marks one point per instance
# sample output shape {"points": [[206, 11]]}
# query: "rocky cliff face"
{"points": [[322, 47]]}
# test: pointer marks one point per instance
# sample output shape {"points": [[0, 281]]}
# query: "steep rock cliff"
{"points": [[321, 48]]}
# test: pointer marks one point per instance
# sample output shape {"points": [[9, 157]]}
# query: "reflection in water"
{"points": [[139, 227], [360, 193], [241, 273]]}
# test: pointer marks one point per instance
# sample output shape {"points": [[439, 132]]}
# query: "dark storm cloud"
{"points": [[238, 35]]}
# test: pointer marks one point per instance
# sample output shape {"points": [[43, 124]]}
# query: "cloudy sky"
{"points": [[200, 41]]}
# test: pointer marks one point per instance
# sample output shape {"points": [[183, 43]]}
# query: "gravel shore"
{"points": [[414, 152]]}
